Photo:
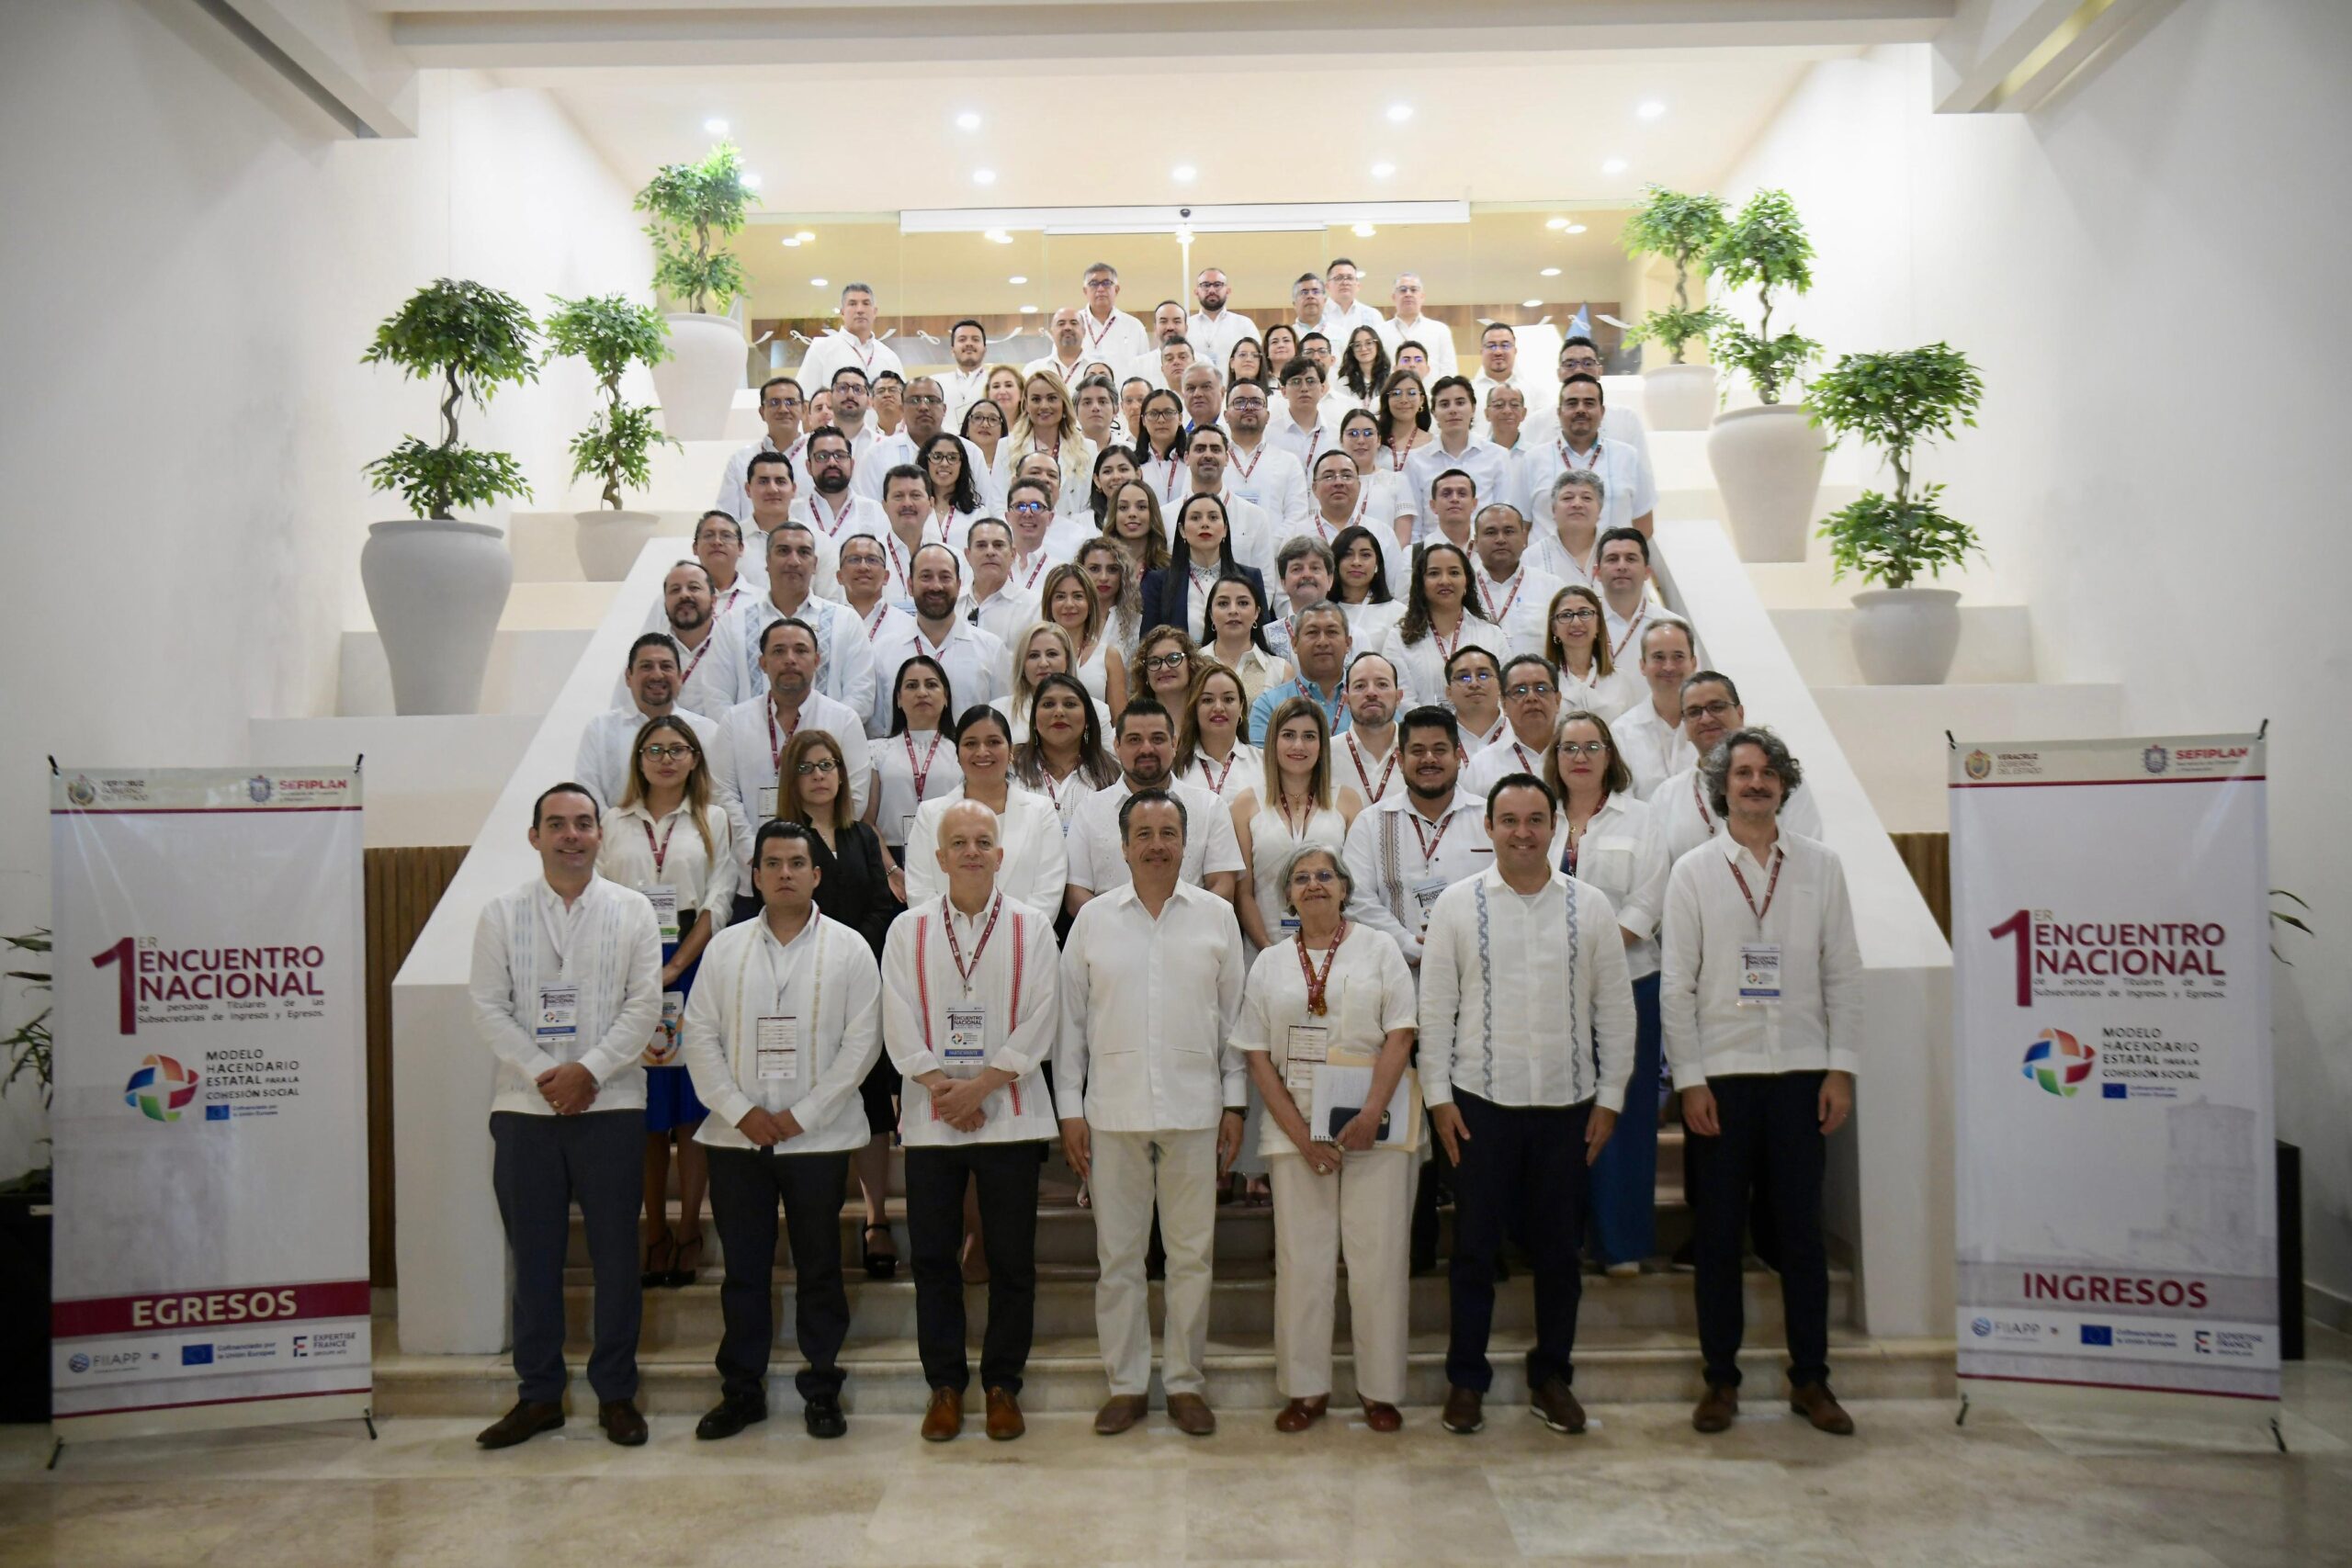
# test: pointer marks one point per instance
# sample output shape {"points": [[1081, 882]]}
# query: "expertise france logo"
{"points": [[161, 1088], [2059, 1063]]}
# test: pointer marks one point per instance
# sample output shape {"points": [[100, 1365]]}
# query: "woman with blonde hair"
{"points": [[1048, 424], [1114, 576], [1069, 601], [1040, 649], [1575, 640], [690, 880]]}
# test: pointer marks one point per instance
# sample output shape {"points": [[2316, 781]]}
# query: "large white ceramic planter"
{"points": [[1678, 397], [608, 542], [698, 382], [1768, 466], [1905, 637], [436, 589]]}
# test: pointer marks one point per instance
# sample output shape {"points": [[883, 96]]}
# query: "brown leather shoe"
{"points": [[1818, 1405], [1005, 1415], [1717, 1408], [1300, 1414], [945, 1417], [526, 1420], [1119, 1412], [621, 1422], [1465, 1411], [1553, 1404], [1191, 1414], [1382, 1418]]}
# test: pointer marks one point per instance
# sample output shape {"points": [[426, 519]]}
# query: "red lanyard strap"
{"points": [[1779, 859], [1316, 984], [661, 850]]}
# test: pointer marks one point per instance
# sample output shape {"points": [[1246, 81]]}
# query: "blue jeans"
{"points": [[1624, 1179]]}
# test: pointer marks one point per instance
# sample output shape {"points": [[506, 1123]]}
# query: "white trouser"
{"points": [[1365, 1211], [1132, 1171]]}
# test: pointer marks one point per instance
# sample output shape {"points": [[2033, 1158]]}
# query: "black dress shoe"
{"points": [[824, 1417], [526, 1420], [621, 1422], [730, 1416]]}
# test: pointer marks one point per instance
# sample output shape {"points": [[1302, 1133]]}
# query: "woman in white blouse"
{"points": [[1115, 581], [1577, 641], [1607, 839], [1441, 617], [916, 762], [1341, 991], [1068, 601], [1210, 752], [1063, 758], [690, 878], [1233, 633], [1040, 649], [1036, 866], [1362, 587]]}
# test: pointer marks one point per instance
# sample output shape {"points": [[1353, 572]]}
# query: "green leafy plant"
{"points": [[30, 1046], [1683, 228], [1765, 245], [612, 333], [2280, 917], [694, 206], [472, 340], [1895, 401]]}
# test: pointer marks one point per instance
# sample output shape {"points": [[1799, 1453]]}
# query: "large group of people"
{"points": [[1215, 752]]}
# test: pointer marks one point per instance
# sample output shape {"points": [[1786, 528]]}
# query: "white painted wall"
{"points": [[2144, 270], [193, 259]]}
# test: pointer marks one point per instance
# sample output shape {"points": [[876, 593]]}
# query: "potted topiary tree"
{"points": [[695, 207], [1683, 228], [437, 585], [1903, 635], [1766, 460], [612, 333]]}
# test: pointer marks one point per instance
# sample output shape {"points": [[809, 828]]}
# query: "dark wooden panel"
{"points": [[1929, 857], [402, 886]]}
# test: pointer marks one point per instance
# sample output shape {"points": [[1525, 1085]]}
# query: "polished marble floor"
{"points": [[2067, 1484]]}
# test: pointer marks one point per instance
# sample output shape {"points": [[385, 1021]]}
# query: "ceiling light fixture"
{"points": [[1530, 304], [1017, 279], [984, 176], [791, 243], [1615, 167], [1650, 108], [816, 283], [1382, 171], [1550, 271], [967, 120], [1028, 309], [714, 127], [1555, 223], [804, 236], [1364, 231], [1400, 113], [998, 237], [751, 180], [1573, 228], [1184, 174]]}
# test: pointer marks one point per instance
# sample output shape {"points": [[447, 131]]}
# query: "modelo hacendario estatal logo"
{"points": [[161, 1088], [2059, 1062]]}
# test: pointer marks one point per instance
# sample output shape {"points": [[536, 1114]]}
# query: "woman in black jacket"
{"points": [[1178, 594]]}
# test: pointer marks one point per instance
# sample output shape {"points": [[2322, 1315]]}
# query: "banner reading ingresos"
{"points": [[2118, 1209], [210, 1108]]}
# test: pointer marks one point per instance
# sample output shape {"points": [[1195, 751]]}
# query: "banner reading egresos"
{"points": [[2117, 1223], [210, 1113]]}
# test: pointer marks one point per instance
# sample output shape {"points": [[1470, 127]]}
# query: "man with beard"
{"points": [[967, 345], [831, 508], [1680, 812], [1146, 748], [1067, 358], [994, 602], [651, 677], [1405, 849], [1364, 748], [978, 665], [926, 411], [1214, 329], [712, 673], [844, 669], [1262, 470]]}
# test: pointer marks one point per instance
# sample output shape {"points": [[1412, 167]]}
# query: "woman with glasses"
{"points": [[690, 878], [1337, 990], [1577, 642], [1441, 617], [1382, 493], [1166, 661], [1474, 684], [1160, 452], [1114, 577], [1210, 750], [1068, 601], [1404, 419], [955, 491], [916, 760], [1063, 758], [1363, 368], [1361, 586], [1040, 649], [986, 426], [1233, 633], [1245, 362], [1608, 837], [1178, 594]]}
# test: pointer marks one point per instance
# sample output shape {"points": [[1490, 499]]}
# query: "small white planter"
{"points": [[698, 382], [1767, 467], [608, 542], [1680, 397], [436, 588], [1905, 637]]}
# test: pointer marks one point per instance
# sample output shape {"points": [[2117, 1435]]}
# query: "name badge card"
{"points": [[661, 1051], [767, 802], [1426, 891], [558, 1020], [664, 899], [906, 827], [1305, 1047], [1759, 972], [777, 1046], [968, 1031]]}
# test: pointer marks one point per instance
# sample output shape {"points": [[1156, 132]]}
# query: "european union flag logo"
{"points": [[216, 1113], [2098, 1334], [2115, 1090], [196, 1355]]}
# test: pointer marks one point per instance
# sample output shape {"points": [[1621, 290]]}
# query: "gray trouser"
{"points": [[540, 1166]]}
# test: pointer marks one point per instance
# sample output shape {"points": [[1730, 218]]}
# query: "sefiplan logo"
{"points": [[161, 1088], [1979, 764], [2155, 759], [2059, 1063]]}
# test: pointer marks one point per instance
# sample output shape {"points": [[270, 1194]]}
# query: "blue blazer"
{"points": [[1168, 599]]}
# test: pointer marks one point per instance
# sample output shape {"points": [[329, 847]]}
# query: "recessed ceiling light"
{"points": [[1184, 174], [1555, 223], [998, 236], [1649, 108], [1614, 166], [1016, 280], [791, 243], [1382, 171], [1364, 231], [1551, 272], [804, 236], [967, 120], [816, 283], [1529, 304], [1028, 309], [984, 176], [1400, 113], [751, 180], [716, 126], [1573, 228]]}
